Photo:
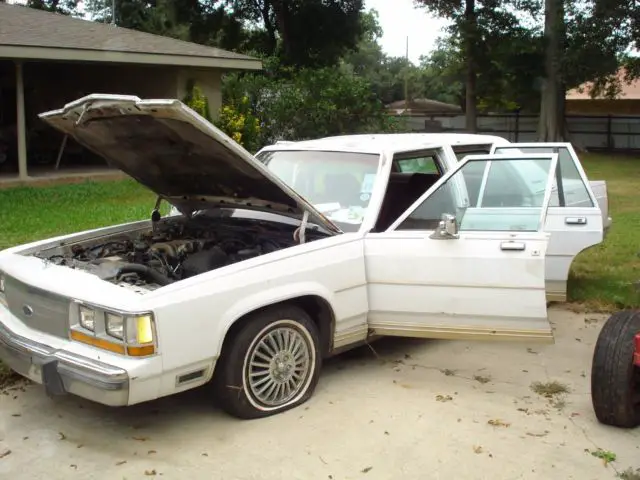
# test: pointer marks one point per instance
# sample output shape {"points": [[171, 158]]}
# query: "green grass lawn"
{"points": [[607, 276], [33, 213], [602, 277]]}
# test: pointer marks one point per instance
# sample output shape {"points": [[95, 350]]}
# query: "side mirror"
{"points": [[447, 228]]}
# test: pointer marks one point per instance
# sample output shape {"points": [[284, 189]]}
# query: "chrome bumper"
{"points": [[63, 372]]}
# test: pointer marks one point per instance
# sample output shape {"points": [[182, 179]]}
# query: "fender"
{"points": [[269, 297]]}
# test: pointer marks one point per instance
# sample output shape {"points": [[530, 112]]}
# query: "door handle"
{"points": [[575, 220], [512, 246]]}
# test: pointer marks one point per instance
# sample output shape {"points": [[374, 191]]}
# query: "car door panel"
{"points": [[574, 218], [487, 282], [572, 230], [464, 290]]}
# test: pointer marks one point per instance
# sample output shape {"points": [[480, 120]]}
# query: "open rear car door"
{"points": [[576, 216], [467, 259]]}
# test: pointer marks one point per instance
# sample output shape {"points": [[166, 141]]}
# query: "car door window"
{"points": [[572, 190], [488, 193], [462, 151], [419, 164]]}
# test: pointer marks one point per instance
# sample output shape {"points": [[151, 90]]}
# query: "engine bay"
{"points": [[174, 249]]}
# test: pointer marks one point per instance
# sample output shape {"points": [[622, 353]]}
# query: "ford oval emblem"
{"points": [[27, 310]]}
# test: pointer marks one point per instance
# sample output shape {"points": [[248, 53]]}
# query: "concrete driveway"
{"points": [[411, 409]]}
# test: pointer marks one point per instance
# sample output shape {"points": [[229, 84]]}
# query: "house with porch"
{"points": [[48, 59]]}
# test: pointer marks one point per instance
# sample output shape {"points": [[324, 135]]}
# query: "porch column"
{"points": [[22, 123]]}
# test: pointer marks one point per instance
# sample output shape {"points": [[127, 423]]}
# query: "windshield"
{"points": [[337, 184]]}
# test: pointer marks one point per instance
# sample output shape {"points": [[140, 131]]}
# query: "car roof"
{"points": [[385, 142]]}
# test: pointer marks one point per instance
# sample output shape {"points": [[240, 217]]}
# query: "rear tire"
{"points": [[270, 365], [615, 381]]}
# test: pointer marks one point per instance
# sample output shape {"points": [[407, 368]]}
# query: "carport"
{"points": [[47, 60]]}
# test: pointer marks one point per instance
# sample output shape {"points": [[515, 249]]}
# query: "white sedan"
{"points": [[577, 218], [251, 286]]}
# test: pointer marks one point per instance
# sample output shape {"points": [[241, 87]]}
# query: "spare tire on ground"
{"points": [[615, 380]]}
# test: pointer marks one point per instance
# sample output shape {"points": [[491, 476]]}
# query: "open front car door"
{"points": [[467, 259]]}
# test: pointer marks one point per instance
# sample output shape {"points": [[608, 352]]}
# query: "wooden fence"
{"points": [[608, 132]]}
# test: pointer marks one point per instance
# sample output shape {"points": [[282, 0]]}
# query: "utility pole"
{"points": [[113, 12]]}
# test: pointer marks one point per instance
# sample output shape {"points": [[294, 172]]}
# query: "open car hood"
{"points": [[178, 154]]}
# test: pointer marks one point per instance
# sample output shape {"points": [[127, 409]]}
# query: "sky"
{"points": [[399, 19]]}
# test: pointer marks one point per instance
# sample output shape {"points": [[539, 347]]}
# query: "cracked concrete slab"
{"points": [[401, 409]]}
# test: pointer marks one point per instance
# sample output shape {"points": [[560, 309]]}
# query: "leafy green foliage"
{"points": [[196, 100], [295, 104], [239, 122], [304, 33]]}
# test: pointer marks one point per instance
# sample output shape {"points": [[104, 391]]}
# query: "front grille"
{"points": [[38, 309]]}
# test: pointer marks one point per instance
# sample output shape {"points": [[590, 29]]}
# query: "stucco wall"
{"points": [[209, 81]]}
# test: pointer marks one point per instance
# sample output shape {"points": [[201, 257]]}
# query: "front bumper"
{"points": [[63, 372]]}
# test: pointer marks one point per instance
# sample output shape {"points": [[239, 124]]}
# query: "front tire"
{"points": [[270, 365], [615, 381]]}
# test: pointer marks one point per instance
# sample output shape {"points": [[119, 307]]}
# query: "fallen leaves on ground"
{"points": [[498, 423], [443, 398], [482, 378], [544, 434]]}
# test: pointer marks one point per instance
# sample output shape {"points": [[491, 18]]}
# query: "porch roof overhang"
{"points": [[54, 54], [37, 35]]}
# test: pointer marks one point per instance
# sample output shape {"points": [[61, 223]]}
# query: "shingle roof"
{"points": [[27, 27], [628, 91]]}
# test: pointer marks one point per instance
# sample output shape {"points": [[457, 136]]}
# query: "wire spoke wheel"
{"points": [[278, 365]]}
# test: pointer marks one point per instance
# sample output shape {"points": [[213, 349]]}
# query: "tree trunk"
{"points": [[551, 124], [271, 30], [470, 31], [282, 14]]}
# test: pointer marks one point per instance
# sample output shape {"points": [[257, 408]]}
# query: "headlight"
{"points": [[87, 318], [115, 325], [139, 330], [117, 332]]}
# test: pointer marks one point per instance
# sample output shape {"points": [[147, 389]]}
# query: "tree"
{"points": [[551, 120], [305, 103], [386, 74], [508, 58], [305, 33], [468, 17], [584, 42]]}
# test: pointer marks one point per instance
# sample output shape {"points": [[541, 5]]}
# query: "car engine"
{"points": [[174, 250]]}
